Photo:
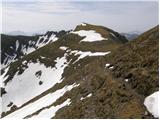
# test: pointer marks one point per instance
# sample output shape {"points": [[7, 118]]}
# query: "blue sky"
{"points": [[34, 16]]}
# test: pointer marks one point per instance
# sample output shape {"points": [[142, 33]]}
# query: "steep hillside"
{"points": [[137, 61], [14, 47], [88, 73], [119, 84]]}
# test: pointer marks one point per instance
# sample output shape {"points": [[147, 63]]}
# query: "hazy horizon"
{"points": [[37, 16]]}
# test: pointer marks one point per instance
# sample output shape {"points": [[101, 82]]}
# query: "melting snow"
{"points": [[17, 45], [3, 76], [39, 44], [113, 35], [111, 67], [8, 57], [107, 65], [49, 113], [24, 62], [42, 57], [89, 95], [11, 47], [63, 48], [84, 54], [27, 50], [43, 102], [24, 87], [90, 35], [151, 103], [126, 80], [52, 38]]}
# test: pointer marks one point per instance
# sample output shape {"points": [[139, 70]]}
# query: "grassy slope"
{"points": [[111, 96], [138, 61]]}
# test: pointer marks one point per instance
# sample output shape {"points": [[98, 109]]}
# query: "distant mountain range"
{"points": [[91, 72], [18, 32], [128, 35]]}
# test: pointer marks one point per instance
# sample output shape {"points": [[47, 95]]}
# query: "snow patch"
{"points": [[63, 48], [84, 54], [89, 95], [52, 38], [41, 43], [111, 67], [126, 80], [8, 58], [3, 76], [151, 103], [24, 62], [113, 34], [27, 50], [42, 57], [107, 65], [49, 113], [90, 35], [11, 47], [41, 103], [17, 45], [24, 87]]}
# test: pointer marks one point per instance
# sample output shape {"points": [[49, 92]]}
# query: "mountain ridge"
{"points": [[91, 79], [14, 47]]}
